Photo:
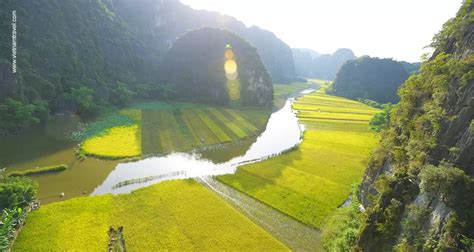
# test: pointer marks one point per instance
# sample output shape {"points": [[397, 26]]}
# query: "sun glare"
{"points": [[230, 68]]}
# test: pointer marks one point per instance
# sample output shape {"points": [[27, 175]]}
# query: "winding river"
{"points": [[48, 145]]}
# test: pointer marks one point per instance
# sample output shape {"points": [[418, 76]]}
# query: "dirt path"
{"points": [[294, 234]]}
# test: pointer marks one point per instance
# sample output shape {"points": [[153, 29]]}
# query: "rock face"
{"points": [[196, 67], [419, 185], [370, 78], [160, 23]]}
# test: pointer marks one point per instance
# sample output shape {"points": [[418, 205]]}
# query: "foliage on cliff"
{"points": [[418, 187]]}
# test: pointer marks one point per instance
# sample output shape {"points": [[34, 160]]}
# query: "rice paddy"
{"points": [[119, 141], [175, 215], [162, 128], [310, 182]]}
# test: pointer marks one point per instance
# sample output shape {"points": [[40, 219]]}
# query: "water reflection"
{"points": [[49, 145], [282, 132]]}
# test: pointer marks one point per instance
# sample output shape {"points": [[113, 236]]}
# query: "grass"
{"points": [[174, 215], [39, 170], [311, 181], [101, 126], [122, 142]]}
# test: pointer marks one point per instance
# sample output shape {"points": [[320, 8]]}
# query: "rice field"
{"points": [[116, 142], [162, 128], [309, 183], [176, 215]]}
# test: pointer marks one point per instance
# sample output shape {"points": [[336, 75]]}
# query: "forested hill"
{"points": [[160, 23], [370, 78], [194, 66], [77, 56], [86, 55], [418, 188]]}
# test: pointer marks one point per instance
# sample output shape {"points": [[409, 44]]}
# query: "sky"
{"points": [[398, 29]]}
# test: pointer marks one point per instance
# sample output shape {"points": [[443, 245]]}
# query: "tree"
{"points": [[122, 95], [83, 97], [15, 115], [381, 120]]}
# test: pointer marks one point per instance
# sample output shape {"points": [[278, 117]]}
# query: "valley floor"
{"points": [[306, 184]]}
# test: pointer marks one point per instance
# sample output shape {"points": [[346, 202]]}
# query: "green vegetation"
{"points": [[174, 215], [381, 120], [39, 170], [427, 153], [10, 222], [81, 73], [101, 126], [342, 228], [371, 78], [15, 115], [16, 192], [372, 103], [311, 181]]}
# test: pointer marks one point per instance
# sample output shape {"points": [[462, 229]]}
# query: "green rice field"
{"points": [[309, 183], [161, 128], [177, 215]]}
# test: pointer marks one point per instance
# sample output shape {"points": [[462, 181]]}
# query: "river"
{"points": [[49, 145]]}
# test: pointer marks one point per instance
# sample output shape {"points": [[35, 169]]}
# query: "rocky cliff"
{"points": [[212, 65], [418, 189]]}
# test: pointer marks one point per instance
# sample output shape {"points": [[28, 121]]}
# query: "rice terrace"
{"points": [[205, 125]]}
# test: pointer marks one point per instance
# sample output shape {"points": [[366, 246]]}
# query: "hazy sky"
{"points": [[384, 28]]}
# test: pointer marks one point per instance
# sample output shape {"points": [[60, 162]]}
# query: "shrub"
{"points": [[381, 120], [39, 170], [11, 220], [16, 192], [442, 181], [16, 115]]}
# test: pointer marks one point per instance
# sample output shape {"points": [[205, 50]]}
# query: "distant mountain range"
{"points": [[159, 23], [309, 63]]}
